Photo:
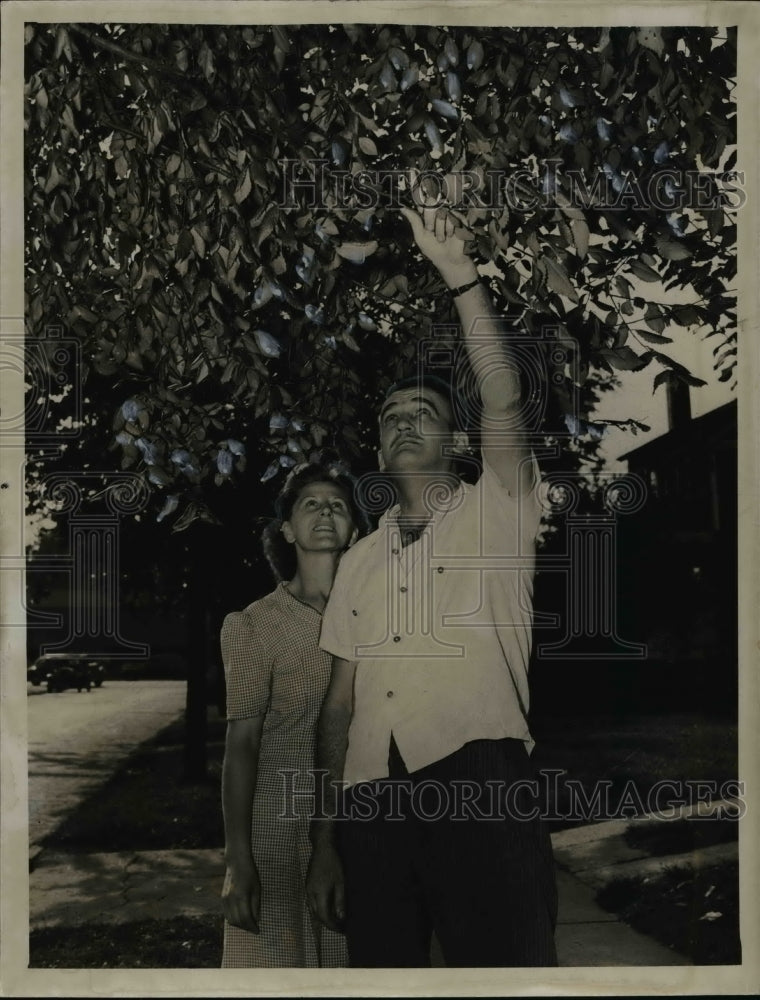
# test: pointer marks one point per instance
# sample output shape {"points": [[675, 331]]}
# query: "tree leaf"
{"points": [[580, 232], [444, 108], [475, 55], [672, 249], [328, 226], [268, 344], [557, 279], [653, 338], [53, 179], [686, 315], [281, 37], [357, 253], [624, 358], [170, 505], [184, 244], [198, 241], [643, 271], [62, 43], [367, 145], [244, 187]]}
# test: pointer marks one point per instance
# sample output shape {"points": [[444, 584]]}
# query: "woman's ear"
{"points": [[287, 532], [352, 539], [380, 460]]}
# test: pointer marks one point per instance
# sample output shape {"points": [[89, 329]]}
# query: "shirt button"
{"points": [[354, 611], [403, 590], [397, 638], [389, 695], [394, 552], [440, 569]]}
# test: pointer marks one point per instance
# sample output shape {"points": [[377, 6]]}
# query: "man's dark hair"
{"points": [[427, 380], [279, 553]]}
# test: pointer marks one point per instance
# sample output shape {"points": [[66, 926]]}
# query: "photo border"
{"points": [[16, 979]]}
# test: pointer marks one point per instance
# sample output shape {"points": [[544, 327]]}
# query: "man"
{"points": [[424, 720]]}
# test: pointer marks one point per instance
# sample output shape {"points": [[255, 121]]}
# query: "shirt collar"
{"points": [[390, 518]]}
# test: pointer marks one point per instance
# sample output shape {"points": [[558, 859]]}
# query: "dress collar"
{"points": [[286, 599]]}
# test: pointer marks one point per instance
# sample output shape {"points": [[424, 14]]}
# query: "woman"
{"points": [[276, 678]]}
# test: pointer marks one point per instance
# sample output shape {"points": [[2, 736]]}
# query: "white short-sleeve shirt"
{"points": [[440, 629]]}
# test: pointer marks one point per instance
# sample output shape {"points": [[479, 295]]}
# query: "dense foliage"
{"points": [[222, 309]]}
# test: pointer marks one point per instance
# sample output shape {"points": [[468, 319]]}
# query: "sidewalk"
{"points": [[113, 888]]}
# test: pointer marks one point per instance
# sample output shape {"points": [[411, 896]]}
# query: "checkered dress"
{"points": [[273, 665]]}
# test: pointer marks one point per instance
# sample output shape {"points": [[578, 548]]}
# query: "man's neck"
{"points": [[414, 495]]}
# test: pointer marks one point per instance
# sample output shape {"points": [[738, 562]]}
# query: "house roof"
{"points": [[718, 422]]}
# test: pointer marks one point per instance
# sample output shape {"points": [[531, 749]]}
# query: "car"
{"points": [[35, 674], [67, 670]]}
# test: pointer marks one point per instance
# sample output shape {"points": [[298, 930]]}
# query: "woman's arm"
{"points": [[241, 895]]}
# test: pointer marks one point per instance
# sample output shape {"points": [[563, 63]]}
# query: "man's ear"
{"points": [[287, 532], [380, 460], [460, 442]]}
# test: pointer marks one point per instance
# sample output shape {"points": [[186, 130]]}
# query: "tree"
{"points": [[210, 211]]}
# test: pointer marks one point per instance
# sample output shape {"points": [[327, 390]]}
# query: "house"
{"points": [[678, 555], [691, 471]]}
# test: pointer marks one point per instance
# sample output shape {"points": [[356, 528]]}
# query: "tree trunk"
{"points": [[196, 757]]}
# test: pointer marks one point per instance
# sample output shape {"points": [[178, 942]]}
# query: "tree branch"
{"points": [[109, 46]]}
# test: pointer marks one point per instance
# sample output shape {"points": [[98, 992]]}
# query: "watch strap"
{"points": [[461, 289]]}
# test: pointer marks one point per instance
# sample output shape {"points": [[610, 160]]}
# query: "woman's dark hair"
{"points": [[279, 553]]}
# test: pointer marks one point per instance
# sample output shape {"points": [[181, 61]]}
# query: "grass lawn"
{"points": [[146, 805], [694, 911], [627, 756], [182, 943], [680, 836]]}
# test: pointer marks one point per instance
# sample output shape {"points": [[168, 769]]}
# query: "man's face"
{"points": [[415, 430]]}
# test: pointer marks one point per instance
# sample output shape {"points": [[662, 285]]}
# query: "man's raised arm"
{"points": [[503, 441]]}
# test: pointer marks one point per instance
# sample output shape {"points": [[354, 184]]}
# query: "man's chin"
{"points": [[404, 460]]}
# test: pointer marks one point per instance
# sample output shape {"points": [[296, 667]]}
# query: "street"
{"points": [[76, 740]]}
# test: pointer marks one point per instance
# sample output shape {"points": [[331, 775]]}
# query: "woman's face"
{"points": [[321, 519]]}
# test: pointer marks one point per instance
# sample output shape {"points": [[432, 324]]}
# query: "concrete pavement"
{"points": [[120, 887], [598, 853]]}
